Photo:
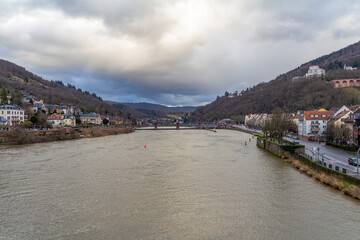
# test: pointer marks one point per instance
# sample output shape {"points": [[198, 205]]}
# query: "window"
{"points": [[311, 115], [323, 115], [316, 115]]}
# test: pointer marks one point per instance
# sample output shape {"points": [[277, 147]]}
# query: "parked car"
{"points": [[352, 161]]}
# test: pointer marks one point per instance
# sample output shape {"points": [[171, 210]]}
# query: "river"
{"points": [[192, 184]]}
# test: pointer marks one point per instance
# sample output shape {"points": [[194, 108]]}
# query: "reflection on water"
{"points": [[185, 185]]}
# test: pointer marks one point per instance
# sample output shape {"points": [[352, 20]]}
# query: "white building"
{"points": [[349, 68], [12, 113], [315, 71], [314, 122]]}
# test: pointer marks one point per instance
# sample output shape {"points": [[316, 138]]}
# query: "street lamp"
{"points": [[357, 162]]}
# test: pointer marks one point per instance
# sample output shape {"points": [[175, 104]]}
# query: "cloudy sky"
{"points": [[174, 52]]}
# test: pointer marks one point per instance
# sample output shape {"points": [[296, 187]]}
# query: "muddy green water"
{"points": [[191, 184]]}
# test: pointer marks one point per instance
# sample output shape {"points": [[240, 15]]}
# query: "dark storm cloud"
{"points": [[174, 52]]}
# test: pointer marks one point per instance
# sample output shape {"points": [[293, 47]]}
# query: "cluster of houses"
{"points": [[314, 124], [57, 115]]}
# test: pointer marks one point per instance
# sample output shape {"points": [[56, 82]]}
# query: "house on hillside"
{"points": [[315, 71], [56, 120], [61, 109], [13, 114], [69, 121], [349, 68], [37, 100], [90, 118], [314, 122]]}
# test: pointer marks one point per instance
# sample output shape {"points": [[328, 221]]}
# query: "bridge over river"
{"points": [[168, 127], [177, 127]]}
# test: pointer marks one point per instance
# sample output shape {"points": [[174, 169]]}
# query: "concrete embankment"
{"points": [[21, 136], [347, 184]]}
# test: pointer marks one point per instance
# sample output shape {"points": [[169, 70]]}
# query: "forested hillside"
{"points": [[290, 94], [18, 80]]}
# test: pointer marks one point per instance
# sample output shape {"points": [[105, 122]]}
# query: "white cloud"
{"points": [[172, 51]]}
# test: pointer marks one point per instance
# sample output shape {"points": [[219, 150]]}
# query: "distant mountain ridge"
{"points": [[152, 106], [292, 95]]}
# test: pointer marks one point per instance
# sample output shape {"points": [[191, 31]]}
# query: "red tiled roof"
{"points": [[298, 116], [322, 115], [340, 115]]}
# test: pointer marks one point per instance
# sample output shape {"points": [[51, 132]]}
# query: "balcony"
{"points": [[315, 128]]}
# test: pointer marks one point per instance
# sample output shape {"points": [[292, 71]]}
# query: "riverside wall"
{"points": [[269, 146], [277, 150]]}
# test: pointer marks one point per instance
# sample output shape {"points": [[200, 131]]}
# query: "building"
{"points": [[69, 121], [353, 124], [256, 120], [12, 113], [56, 120], [315, 71], [3, 122], [338, 120], [349, 68], [314, 122], [37, 100], [61, 109], [90, 118]]}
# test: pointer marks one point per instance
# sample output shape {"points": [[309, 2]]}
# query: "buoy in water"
{"points": [[145, 146]]}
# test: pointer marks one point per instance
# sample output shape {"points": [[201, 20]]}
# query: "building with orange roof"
{"points": [[314, 122]]}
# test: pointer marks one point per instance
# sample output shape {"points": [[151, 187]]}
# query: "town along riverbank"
{"points": [[340, 181], [20, 136]]}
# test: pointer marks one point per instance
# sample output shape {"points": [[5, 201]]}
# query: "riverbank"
{"points": [[20, 136], [347, 184]]}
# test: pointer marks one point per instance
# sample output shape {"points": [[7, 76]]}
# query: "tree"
{"points": [[277, 125], [78, 121], [3, 96], [34, 119], [227, 94], [105, 121]]}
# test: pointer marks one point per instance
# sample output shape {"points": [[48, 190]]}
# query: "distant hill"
{"points": [[292, 95], [129, 111], [151, 107]]}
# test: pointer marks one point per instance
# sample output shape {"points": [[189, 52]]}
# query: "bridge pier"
{"points": [[177, 125], [155, 126]]}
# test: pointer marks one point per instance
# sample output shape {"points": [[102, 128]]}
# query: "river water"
{"points": [[191, 184]]}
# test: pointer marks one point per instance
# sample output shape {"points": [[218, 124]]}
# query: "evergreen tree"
{"points": [[3, 96]]}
